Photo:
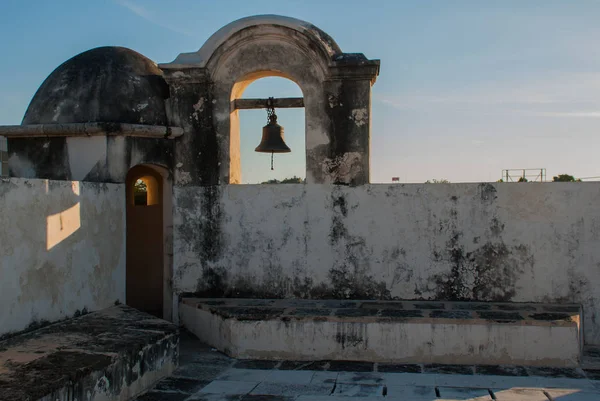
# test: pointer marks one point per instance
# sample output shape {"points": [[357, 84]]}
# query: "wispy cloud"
{"points": [[569, 96], [144, 13], [565, 114]]}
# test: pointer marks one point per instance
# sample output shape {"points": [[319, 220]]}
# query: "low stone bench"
{"points": [[113, 354], [389, 331]]}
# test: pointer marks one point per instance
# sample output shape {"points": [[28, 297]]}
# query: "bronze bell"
{"points": [[272, 137]]}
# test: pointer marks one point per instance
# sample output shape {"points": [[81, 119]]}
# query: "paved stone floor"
{"points": [[207, 375]]}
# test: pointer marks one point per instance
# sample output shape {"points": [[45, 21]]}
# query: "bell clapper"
{"points": [[272, 153]]}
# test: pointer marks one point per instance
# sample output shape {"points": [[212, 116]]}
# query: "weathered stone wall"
{"points": [[490, 242], [92, 159], [62, 250]]}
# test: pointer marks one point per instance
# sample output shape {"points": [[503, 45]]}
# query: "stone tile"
{"points": [[340, 304], [521, 307], [399, 368], [452, 314], [487, 381], [448, 369], [382, 305], [592, 374], [226, 387], [571, 373], [292, 390], [358, 390], [352, 312], [518, 394], [350, 366], [298, 365], [575, 384], [251, 397], [500, 370], [255, 364], [199, 371], [324, 378], [360, 378], [463, 393], [193, 350], [304, 365], [214, 358], [409, 379], [258, 302], [429, 305], [471, 306], [290, 377], [214, 397], [341, 398], [247, 375], [572, 395], [298, 303], [181, 384], [401, 313], [551, 316], [412, 393], [561, 308], [497, 316], [161, 396], [247, 313], [244, 375]]}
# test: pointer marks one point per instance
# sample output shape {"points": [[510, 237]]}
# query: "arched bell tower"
{"points": [[336, 87]]}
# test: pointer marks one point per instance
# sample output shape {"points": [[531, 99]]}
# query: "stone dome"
{"points": [[105, 84]]}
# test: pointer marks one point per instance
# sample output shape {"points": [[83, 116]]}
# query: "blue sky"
{"points": [[467, 88]]}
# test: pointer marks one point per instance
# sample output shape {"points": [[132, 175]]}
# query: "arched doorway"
{"points": [[147, 265]]}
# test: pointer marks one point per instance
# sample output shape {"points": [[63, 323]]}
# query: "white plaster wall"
{"points": [[498, 242], [62, 249]]}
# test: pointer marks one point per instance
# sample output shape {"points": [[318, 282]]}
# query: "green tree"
{"points": [[140, 193], [140, 187], [564, 178], [293, 180], [522, 179], [434, 181]]}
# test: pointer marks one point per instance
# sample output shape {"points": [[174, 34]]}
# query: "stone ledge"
{"points": [[389, 331], [390, 311], [89, 129], [113, 354]]}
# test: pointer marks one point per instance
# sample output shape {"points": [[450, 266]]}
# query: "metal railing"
{"points": [[524, 175]]}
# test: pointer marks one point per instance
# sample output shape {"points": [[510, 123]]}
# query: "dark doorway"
{"points": [[145, 240]]}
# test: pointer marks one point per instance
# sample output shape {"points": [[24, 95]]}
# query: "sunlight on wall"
{"points": [[61, 225]]}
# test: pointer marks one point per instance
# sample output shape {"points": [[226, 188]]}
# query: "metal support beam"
{"points": [[281, 103]]}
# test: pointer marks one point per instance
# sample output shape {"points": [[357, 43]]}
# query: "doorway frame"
{"points": [[169, 305]]}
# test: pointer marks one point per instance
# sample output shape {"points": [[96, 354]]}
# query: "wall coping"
{"points": [[89, 129]]}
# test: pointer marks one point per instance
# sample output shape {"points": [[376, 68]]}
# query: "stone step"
{"points": [[113, 354], [389, 331]]}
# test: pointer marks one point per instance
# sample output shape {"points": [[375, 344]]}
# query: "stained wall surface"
{"points": [[533, 242], [62, 250]]}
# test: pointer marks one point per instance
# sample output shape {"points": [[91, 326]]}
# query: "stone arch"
{"points": [[336, 88], [237, 92], [319, 40], [232, 124]]}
